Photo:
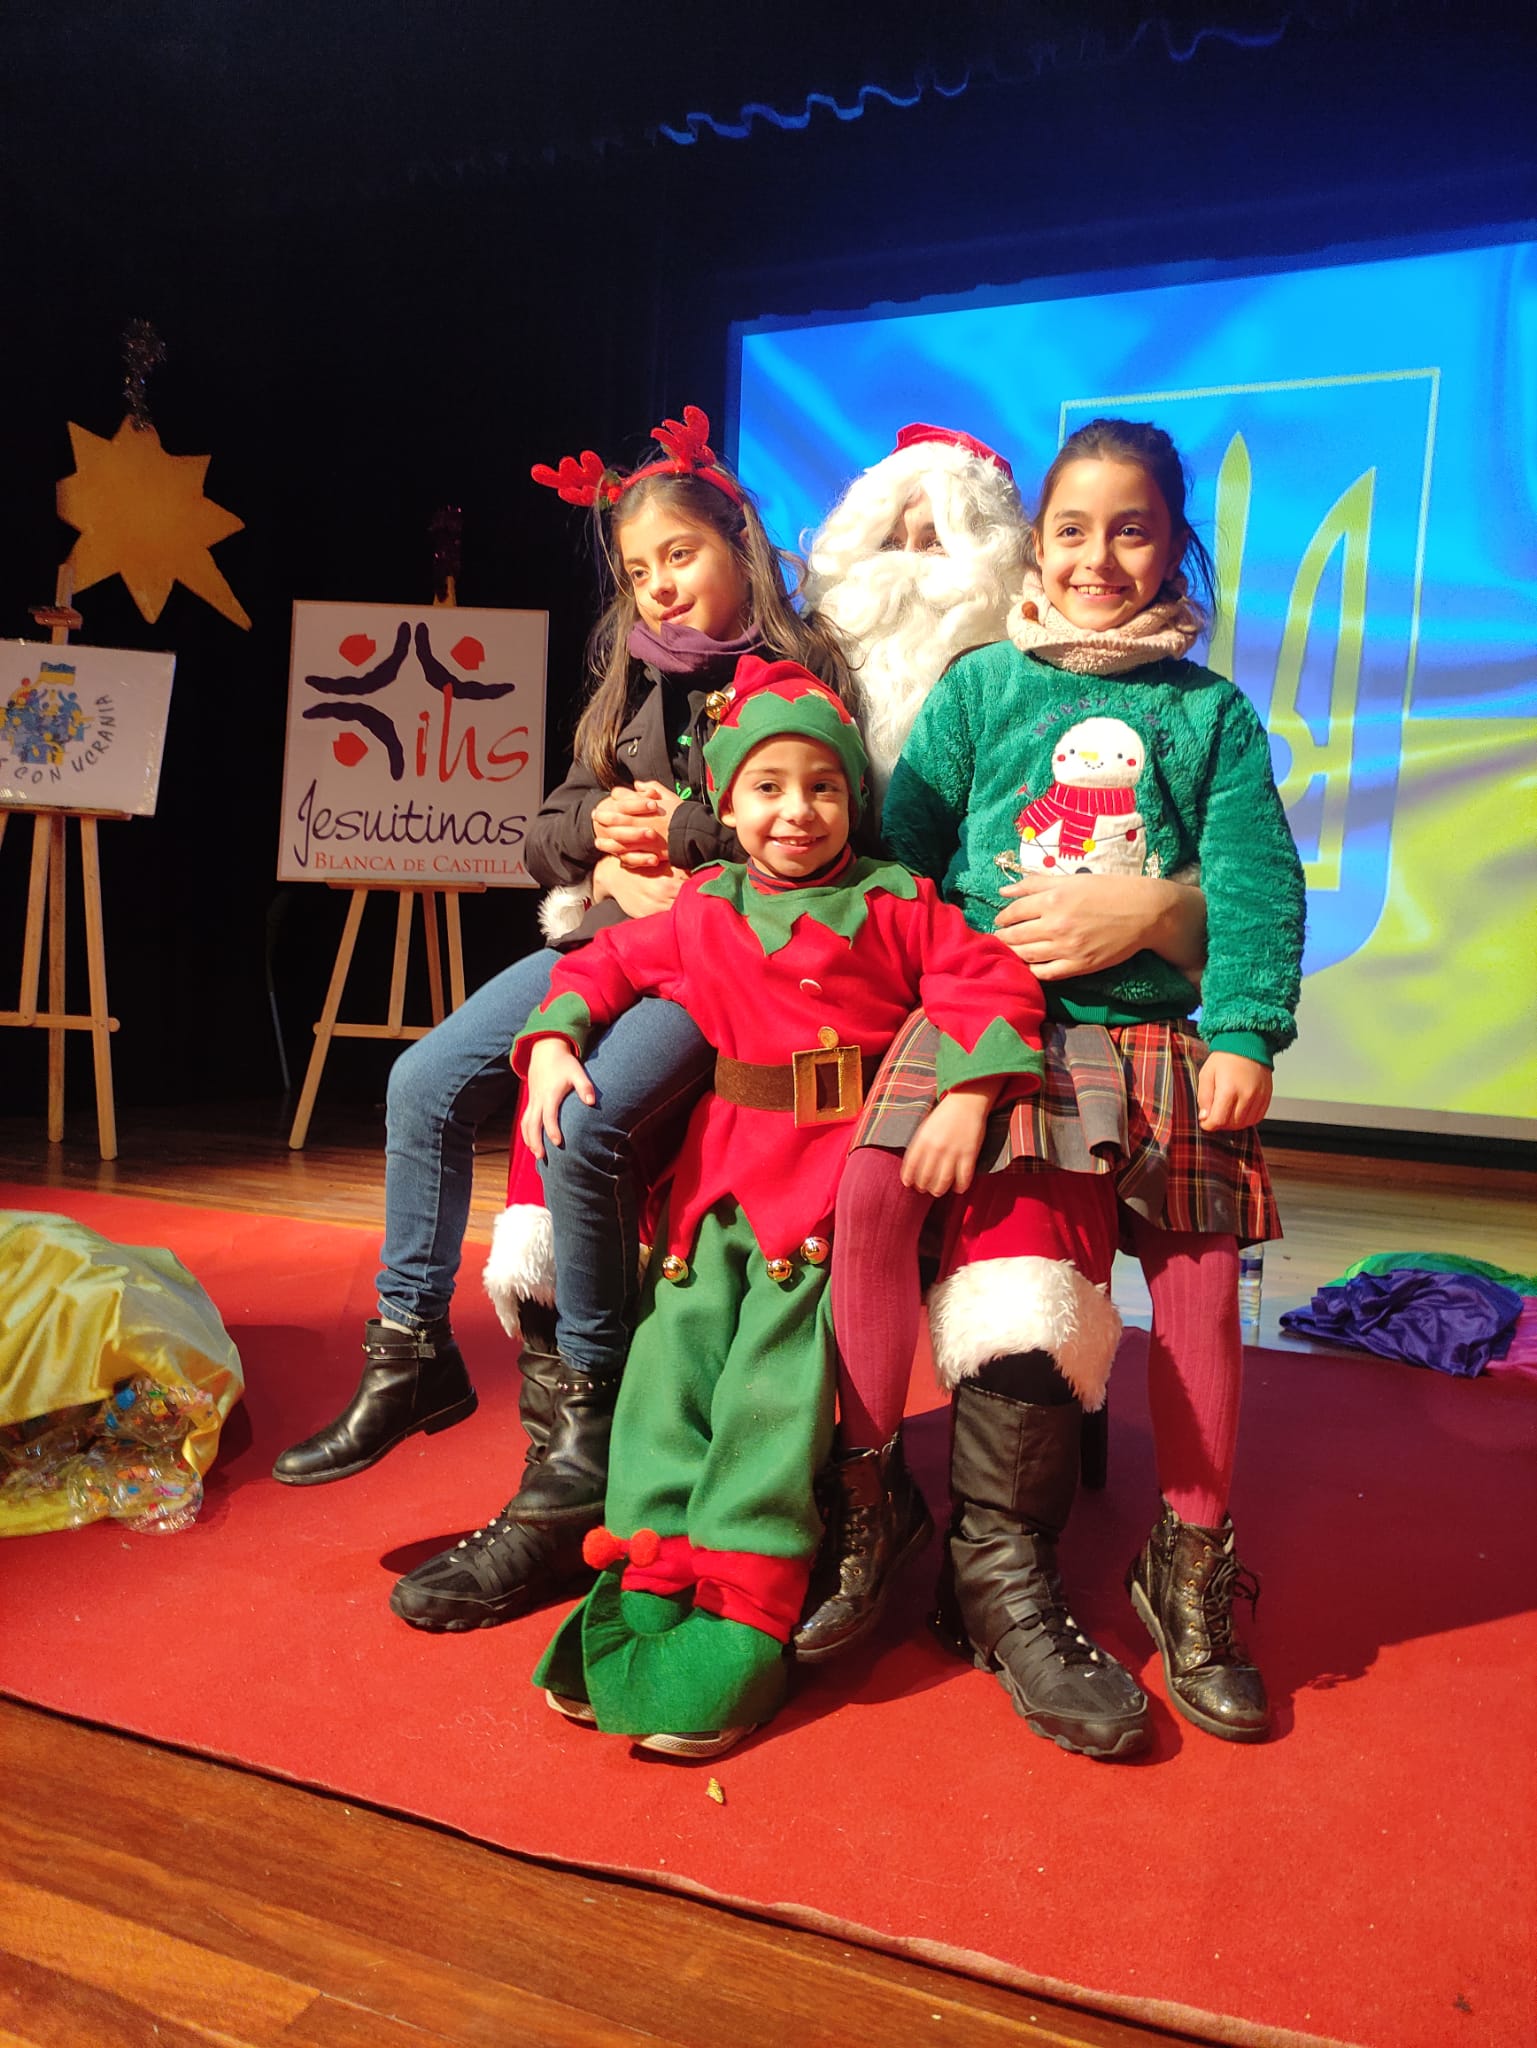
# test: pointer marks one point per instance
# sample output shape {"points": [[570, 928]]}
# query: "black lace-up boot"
{"points": [[532, 1552], [1014, 1472], [1183, 1582], [412, 1380], [876, 1520]]}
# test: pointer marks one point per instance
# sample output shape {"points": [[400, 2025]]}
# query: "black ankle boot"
{"points": [[412, 1380], [532, 1552], [1182, 1584], [1013, 1472], [876, 1520]]}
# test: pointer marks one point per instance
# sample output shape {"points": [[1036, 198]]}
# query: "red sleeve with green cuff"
{"points": [[1000, 1051]]}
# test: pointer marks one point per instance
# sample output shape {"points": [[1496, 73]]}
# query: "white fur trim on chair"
{"points": [[998, 1306], [563, 909], [521, 1266]]}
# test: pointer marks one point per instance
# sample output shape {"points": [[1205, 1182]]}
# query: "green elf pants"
{"points": [[724, 1414]]}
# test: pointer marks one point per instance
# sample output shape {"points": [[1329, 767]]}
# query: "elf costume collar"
{"points": [[839, 902], [767, 883]]}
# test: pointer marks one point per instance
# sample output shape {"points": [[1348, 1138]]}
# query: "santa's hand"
{"points": [[1233, 1092], [554, 1072], [1064, 925]]}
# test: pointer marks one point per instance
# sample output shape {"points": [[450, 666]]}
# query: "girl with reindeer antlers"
{"points": [[692, 583]]}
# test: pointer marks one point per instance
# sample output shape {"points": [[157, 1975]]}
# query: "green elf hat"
{"points": [[765, 699]]}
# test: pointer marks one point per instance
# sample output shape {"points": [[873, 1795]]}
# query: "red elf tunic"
{"points": [[763, 975]]}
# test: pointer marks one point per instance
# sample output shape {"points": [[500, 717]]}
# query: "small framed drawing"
{"points": [[82, 728]]}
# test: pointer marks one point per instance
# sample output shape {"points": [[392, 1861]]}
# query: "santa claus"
{"points": [[917, 562]]}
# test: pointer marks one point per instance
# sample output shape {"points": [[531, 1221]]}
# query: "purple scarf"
{"points": [[684, 651]]}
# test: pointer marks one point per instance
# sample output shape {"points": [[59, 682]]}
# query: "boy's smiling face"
{"points": [[789, 806]]}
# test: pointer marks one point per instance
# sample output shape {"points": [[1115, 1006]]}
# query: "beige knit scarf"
{"points": [[1163, 632]]}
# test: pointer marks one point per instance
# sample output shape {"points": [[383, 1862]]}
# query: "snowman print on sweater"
{"points": [[1087, 822]]}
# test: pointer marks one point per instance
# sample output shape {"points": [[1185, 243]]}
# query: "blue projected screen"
{"points": [[1362, 441]]}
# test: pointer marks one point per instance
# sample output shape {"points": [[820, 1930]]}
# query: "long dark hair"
{"points": [[783, 631], [1149, 448]]}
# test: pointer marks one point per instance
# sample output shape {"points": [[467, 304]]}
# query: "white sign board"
{"points": [[82, 728], [415, 748]]}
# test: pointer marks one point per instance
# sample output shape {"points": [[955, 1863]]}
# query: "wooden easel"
{"points": [[445, 531], [406, 896], [46, 904]]}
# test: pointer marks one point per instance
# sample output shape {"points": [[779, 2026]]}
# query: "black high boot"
{"points": [[412, 1380], [1182, 1583], [876, 1520], [1013, 1472], [532, 1552]]}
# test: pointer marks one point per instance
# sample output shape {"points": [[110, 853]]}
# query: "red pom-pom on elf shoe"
{"points": [[645, 1547], [601, 1548]]}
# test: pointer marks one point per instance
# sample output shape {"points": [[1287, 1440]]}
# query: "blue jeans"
{"points": [[648, 1069]]}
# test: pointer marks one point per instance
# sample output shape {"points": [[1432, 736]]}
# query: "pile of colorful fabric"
{"points": [[1453, 1314]]}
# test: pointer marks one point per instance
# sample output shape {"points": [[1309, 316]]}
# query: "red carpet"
{"points": [[1368, 1876]]}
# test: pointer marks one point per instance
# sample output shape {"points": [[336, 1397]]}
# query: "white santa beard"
{"points": [[906, 617]]}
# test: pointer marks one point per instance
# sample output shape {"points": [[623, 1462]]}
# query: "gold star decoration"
{"points": [[141, 515]]}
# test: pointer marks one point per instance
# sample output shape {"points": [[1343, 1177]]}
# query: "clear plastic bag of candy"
{"points": [[120, 1457], [152, 1491], [32, 1452], [142, 1412]]}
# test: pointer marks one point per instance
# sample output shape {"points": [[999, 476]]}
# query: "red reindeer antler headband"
{"points": [[588, 480]]}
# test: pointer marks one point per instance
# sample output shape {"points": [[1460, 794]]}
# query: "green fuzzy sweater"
{"points": [[984, 745]]}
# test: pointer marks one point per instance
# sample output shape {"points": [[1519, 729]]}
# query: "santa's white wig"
{"points": [[904, 616]]}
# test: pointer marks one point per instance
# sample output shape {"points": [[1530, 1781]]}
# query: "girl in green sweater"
{"points": [[1088, 743]]}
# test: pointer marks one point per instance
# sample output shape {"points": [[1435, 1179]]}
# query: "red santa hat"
{"points": [[769, 698], [916, 434]]}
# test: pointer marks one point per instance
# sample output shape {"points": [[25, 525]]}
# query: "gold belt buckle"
{"points": [[829, 1081]]}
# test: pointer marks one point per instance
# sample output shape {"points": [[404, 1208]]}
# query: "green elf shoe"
{"points": [[559, 1670], [658, 1665]]}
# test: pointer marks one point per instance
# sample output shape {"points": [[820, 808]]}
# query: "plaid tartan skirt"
{"points": [[1117, 1099]]}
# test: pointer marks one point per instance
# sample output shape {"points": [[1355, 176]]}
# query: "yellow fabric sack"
{"points": [[78, 1316]]}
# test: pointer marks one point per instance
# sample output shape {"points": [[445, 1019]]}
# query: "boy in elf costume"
{"points": [[799, 964]]}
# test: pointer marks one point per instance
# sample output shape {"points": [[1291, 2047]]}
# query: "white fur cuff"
{"points": [[997, 1306], [562, 909], [521, 1266]]}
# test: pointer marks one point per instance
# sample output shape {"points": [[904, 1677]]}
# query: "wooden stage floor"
{"points": [[150, 1896]]}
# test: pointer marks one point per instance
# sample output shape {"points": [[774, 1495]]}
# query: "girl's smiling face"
{"points": [[682, 572], [1105, 543]]}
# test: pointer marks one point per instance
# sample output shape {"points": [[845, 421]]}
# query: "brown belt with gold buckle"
{"points": [[824, 1085]]}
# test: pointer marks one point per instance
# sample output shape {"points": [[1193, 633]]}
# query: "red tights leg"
{"points": [[1194, 1366], [875, 1295]]}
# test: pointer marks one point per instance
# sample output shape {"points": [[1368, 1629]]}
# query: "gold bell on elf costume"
{"points": [[767, 699]]}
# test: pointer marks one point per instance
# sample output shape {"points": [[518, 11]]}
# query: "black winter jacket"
{"points": [[662, 740]]}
